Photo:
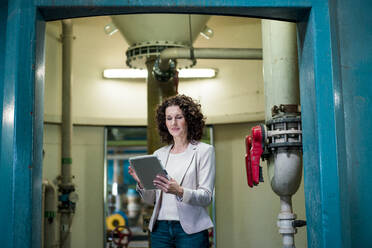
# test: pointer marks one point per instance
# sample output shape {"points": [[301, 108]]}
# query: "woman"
{"points": [[180, 218]]}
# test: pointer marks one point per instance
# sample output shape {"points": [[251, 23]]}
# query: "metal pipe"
{"points": [[48, 214], [157, 91], [280, 68], [211, 53], [207, 53], [66, 186], [282, 88], [286, 204], [67, 37], [279, 42], [285, 222], [287, 172]]}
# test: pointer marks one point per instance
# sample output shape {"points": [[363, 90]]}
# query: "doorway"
{"points": [[310, 50]]}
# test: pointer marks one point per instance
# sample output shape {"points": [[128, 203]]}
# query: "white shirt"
{"points": [[168, 209]]}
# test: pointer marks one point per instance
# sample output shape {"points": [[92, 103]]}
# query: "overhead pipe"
{"points": [[67, 198], [207, 53], [211, 53]]}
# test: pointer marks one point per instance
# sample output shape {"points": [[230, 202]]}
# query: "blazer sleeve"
{"points": [[206, 171]]}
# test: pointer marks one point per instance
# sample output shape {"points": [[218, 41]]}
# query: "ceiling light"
{"points": [[207, 32], [197, 73], [124, 73], [110, 29], [138, 73]]}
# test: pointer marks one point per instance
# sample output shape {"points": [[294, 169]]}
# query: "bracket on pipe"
{"points": [[164, 71]]}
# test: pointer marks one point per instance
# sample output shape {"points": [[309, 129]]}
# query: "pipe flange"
{"points": [[287, 119], [286, 145], [140, 52], [286, 226], [164, 76], [287, 230], [285, 109], [284, 133], [287, 216]]}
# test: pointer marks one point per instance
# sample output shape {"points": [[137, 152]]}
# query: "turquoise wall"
{"points": [[354, 28]]}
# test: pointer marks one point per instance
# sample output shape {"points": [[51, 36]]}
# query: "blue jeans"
{"points": [[169, 234]]}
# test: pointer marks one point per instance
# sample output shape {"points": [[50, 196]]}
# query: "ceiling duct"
{"points": [[149, 34]]}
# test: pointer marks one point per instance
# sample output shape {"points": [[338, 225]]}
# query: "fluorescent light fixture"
{"points": [[124, 73], [138, 73], [197, 73]]}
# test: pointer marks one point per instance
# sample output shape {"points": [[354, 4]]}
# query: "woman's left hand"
{"points": [[168, 185]]}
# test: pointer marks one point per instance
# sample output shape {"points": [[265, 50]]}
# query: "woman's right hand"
{"points": [[134, 175]]}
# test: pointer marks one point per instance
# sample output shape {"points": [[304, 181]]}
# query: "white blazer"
{"points": [[197, 180]]}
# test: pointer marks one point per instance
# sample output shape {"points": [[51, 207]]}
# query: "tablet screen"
{"points": [[146, 168]]}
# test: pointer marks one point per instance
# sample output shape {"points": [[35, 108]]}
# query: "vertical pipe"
{"points": [[280, 63], [286, 204], [280, 69], [49, 214], [66, 178], [67, 37], [281, 82], [157, 91]]}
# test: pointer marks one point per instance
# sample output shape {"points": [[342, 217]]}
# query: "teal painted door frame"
{"points": [[22, 105]]}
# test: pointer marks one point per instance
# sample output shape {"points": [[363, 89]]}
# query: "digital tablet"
{"points": [[146, 168]]}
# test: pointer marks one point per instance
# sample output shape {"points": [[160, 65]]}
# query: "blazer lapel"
{"points": [[163, 156]]}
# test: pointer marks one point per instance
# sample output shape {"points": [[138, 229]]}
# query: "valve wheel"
{"points": [[121, 236]]}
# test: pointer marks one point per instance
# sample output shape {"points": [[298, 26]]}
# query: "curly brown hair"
{"points": [[191, 111]]}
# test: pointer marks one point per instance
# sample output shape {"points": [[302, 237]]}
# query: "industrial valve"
{"points": [[255, 144], [121, 236], [248, 164], [280, 134], [67, 198]]}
